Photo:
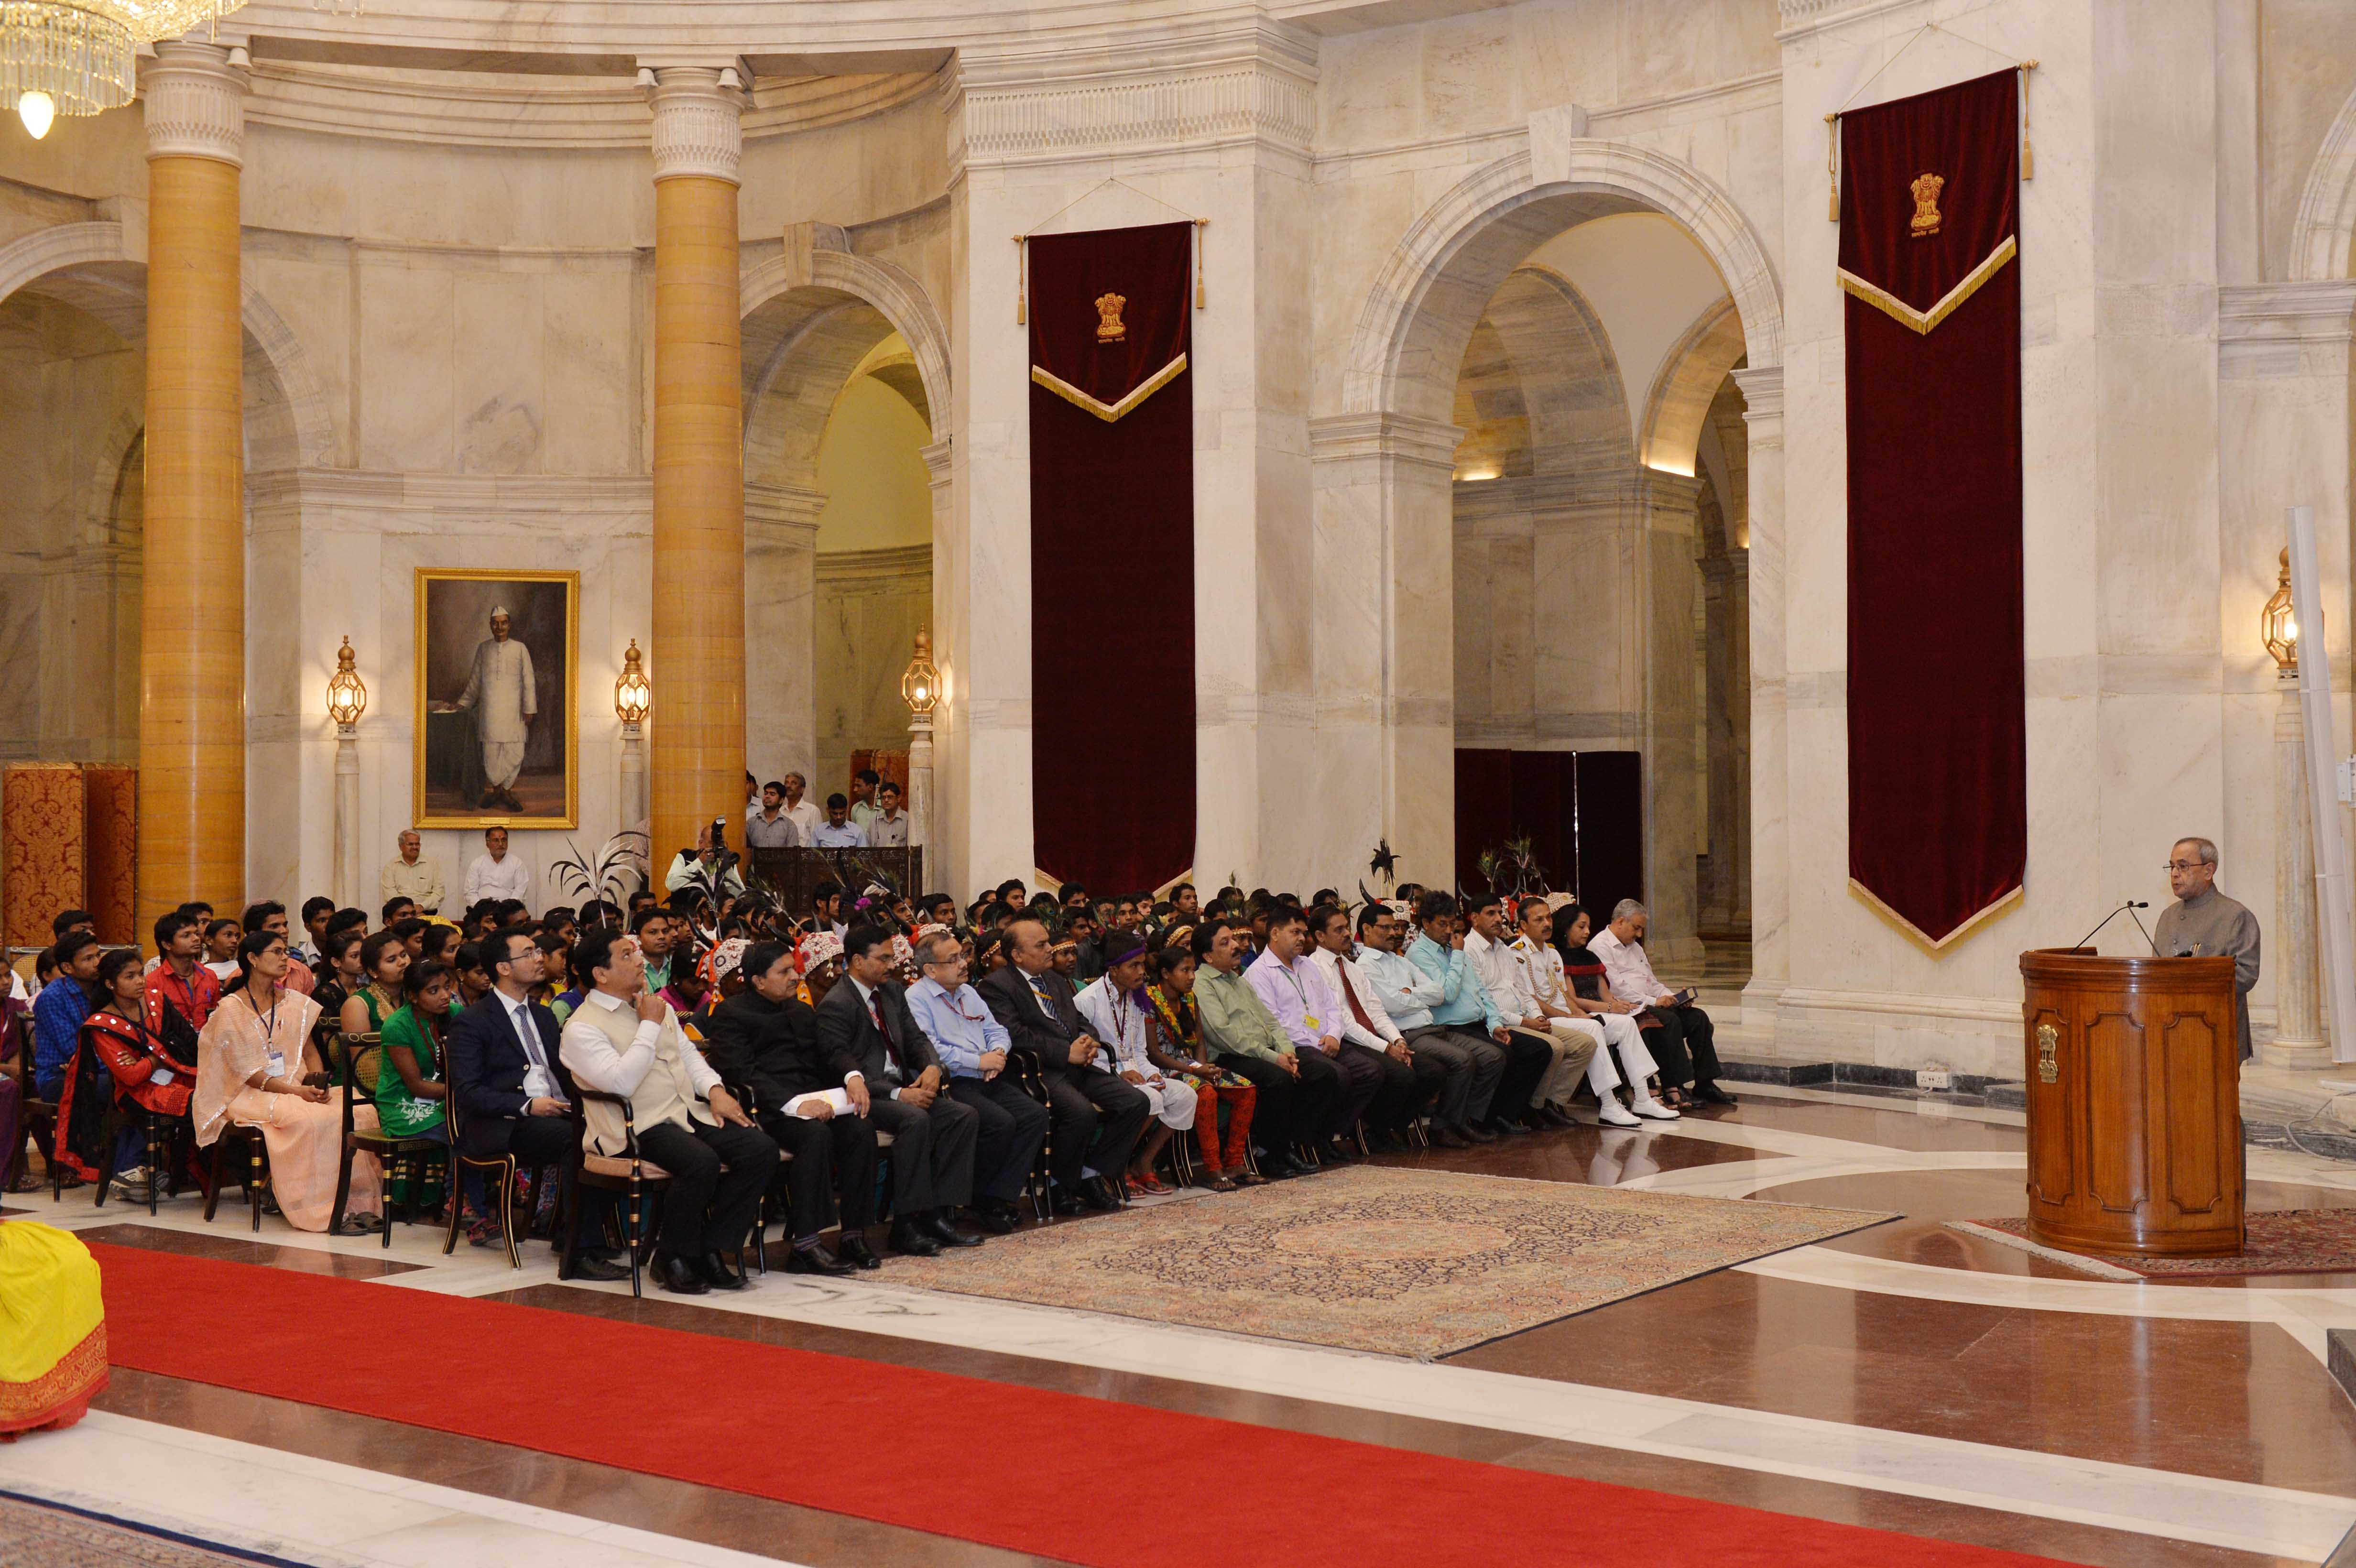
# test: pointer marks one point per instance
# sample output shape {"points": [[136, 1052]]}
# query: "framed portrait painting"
{"points": [[495, 739]]}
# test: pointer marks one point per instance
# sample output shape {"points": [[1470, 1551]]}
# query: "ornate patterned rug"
{"points": [[35, 1535], [2286, 1240], [1404, 1263]]}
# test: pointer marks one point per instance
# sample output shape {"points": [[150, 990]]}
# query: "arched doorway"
{"points": [[1624, 485], [845, 378]]}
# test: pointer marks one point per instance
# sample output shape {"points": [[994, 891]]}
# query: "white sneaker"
{"points": [[1656, 1110], [1609, 1113]]}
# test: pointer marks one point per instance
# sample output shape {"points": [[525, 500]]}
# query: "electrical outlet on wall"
{"points": [[1933, 1077]]}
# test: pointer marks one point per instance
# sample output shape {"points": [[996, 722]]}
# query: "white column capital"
{"points": [[196, 101], [698, 128], [1763, 393]]}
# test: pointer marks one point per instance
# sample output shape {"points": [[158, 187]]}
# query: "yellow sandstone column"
{"points": [[697, 657], [192, 590]]}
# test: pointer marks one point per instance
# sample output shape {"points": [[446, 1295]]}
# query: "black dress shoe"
{"points": [[1097, 1193], [586, 1266], [906, 1238], [853, 1250], [717, 1273], [1342, 1150], [1556, 1116], [816, 1259], [1712, 1095], [997, 1221], [677, 1276], [1471, 1134], [1505, 1127], [936, 1225], [1065, 1204], [1449, 1137]]}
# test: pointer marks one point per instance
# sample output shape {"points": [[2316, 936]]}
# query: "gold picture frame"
{"points": [[454, 759]]}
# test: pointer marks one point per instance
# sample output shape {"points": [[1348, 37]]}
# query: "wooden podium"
{"points": [[2134, 1116]]}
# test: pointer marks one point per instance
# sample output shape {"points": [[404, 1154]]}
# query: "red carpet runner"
{"points": [[1017, 1467]]}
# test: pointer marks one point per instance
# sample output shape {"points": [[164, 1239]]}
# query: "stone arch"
{"points": [[2323, 233], [835, 304], [1432, 289], [88, 264], [1689, 379], [1566, 382]]}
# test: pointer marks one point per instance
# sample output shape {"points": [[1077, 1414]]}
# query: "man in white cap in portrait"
{"points": [[505, 698]]}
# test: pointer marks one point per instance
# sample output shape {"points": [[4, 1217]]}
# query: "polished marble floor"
{"points": [[1907, 1377]]}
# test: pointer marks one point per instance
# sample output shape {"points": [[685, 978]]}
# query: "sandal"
{"points": [[1214, 1182], [1250, 1178], [1148, 1182]]}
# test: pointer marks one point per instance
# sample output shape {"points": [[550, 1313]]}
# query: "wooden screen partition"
{"points": [[2135, 1123], [794, 874]]}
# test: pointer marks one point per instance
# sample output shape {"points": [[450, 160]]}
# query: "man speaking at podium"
{"points": [[2205, 923]]}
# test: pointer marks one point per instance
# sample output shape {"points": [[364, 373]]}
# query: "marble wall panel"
{"points": [[407, 363]]}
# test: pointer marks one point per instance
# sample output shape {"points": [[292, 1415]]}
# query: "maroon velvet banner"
{"points": [[1929, 232], [1113, 555]]}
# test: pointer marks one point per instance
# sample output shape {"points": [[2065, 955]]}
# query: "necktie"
{"points": [[1357, 1009], [891, 1047], [528, 1033]]}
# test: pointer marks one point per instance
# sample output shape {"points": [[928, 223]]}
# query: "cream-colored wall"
{"points": [[878, 494], [71, 391], [1648, 282]]}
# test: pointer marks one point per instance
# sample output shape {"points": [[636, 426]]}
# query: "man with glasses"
{"points": [[512, 1094], [1471, 1065], [2204, 923], [972, 1046]]}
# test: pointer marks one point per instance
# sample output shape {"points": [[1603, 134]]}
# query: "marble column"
{"points": [[1769, 794], [2298, 996], [192, 605], [1385, 667], [697, 655], [929, 818], [1667, 506], [1726, 589], [781, 630]]}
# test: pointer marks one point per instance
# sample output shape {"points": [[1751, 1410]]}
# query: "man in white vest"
{"points": [[625, 1039], [504, 697]]}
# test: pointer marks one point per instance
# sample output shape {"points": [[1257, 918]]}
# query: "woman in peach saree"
{"points": [[256, 1068]]}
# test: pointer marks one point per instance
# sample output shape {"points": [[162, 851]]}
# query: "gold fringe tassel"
{"points": [[1103, 410], [1200, 224], [1832, 168], [2028, 149], [1021, 280], [1922, 321]]}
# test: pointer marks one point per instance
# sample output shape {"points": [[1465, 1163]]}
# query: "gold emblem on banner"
{"points": [[2047, 1069], [1109, 327], [1927, 190]]}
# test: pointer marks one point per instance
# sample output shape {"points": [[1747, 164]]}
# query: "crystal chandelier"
{"points": [[74, 56]]}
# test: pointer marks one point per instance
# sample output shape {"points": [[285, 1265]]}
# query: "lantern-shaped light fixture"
{"points": [[920, 685], [633, 696], [2278, 626], [346, 693]]}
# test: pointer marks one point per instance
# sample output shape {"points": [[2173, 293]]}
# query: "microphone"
{"points": [[2123, 908]]}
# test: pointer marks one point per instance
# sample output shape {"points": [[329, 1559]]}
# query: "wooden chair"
{"points": [[503, 1172], [255, 1168], [1023, 1068], [161, 1131], [631, 1176], [354, 1062]]}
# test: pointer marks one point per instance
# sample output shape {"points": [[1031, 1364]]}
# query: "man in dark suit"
{"points": [[888, 1068], [764, 1039], [512, 1094], [1035, 1004]]}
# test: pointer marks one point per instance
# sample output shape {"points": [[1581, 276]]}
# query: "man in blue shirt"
{"points": [[972, 1046], [1466, 1006], [59, 1010], [838, 831]]}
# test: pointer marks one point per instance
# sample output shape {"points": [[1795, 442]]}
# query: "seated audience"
{"points": [[1249, 1042], [317, 911], [410, 1084], [1096, 1117], [1171, 997], [409, 877], [1570, 1048], [1407, 1085], [221, 938], [1469, 1063], [256, 1068], [384, 959], [272, 916], [1295, 990], [1686, 1042], [974, 1048], [59, 1010], [1552, 987], [1466, 1006], [123, 1062], [495, 873], [510, 1091], [764, 1039], [888, 1068], [180, 982], [1121, 1019], [655, 929], [624, 1039]]}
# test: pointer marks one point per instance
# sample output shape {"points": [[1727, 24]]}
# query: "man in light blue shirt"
{"points": [[972, 1045], [838, 831], [1472, 1064], [1466, 1007]]}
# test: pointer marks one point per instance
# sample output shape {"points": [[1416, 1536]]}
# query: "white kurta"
{"points": [[503, 694]]}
